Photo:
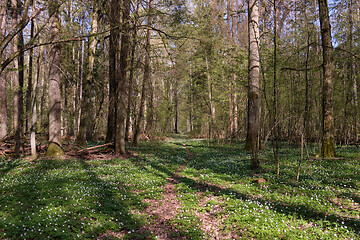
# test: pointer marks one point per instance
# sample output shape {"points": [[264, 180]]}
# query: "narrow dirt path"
{"points": [[161, 211]]}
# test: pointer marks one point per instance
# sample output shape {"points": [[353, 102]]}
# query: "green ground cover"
{"points": [[106, 199]]}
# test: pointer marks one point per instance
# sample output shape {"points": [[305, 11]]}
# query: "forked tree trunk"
{"points": [[328, 147], [54, 148], [252, 138], [3, 107]]}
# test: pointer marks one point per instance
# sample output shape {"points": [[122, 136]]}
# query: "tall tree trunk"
{"points": [[54, 148], [113, 67], [18, 78], [328, 147], [89, 79], [130, 83], [212, 124], [252, 138], [33, 94], [3, 106], [352, 70], [140, 119], [121, 93], [29, 82]]}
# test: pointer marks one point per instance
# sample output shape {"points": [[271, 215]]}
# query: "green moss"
{"points": [[54, 150], [328, 148]]}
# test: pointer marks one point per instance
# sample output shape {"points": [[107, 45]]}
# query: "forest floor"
{"points": [[182, 189]]}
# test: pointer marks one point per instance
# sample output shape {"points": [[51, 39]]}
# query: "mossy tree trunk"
{"points": [[54, 148], [253, 124], [327, 148]]}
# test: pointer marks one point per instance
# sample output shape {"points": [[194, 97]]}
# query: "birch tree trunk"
{"points": [[3, 106], [328, 147], [252, 138], [54, 149]]}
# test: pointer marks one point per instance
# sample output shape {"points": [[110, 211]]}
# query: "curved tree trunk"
{"points": [[328, 147]]}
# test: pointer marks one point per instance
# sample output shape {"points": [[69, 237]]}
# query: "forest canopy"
{"points": [[130, 70]]}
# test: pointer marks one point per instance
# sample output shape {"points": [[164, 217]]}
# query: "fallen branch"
{"points": [[96, 147]]}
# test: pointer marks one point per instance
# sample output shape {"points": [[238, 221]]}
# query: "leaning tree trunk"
{"points": [[3, 107], [54, 149], [252, 138], [327, 148]]}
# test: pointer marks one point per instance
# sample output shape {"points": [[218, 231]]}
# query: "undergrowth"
{"points": [[106, 199]]}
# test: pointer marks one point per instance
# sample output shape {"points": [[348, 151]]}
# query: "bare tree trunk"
{"points": [[252, 138], [113, 68], [212, 124], [352, 70], [139, 122], [18, 79], [130, 83], [82, 133], [121, 93], [54, 149], [30, 82], [3, 106], [231, 117], [275, 125], [33, 94], [328, 147]]}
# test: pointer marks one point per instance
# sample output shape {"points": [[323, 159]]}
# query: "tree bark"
{"points": [[18, 78], [352, 70], [252, 138], [3, 102], [54, 148], [130, 83], [139, 122], [328, 147], [113, 67], [89, 79], [121, 93], [33, 95]]}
